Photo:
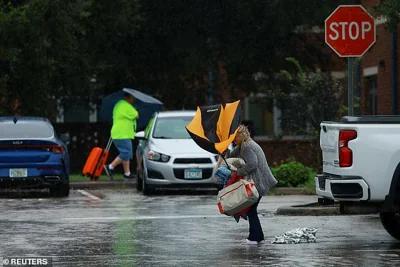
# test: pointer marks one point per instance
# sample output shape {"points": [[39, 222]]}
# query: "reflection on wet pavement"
{"points": [[127, 229]]}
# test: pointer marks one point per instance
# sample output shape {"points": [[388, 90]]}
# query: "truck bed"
{"points": [[382, 119]]}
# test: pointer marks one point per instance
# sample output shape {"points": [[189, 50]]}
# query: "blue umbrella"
{"points": [[146, 106]]}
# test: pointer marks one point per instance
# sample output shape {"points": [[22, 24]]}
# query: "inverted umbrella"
{"points": [[145, 104], [213, 128]]}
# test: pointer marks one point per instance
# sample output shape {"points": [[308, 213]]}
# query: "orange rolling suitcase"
{"points": [[95, 163]]}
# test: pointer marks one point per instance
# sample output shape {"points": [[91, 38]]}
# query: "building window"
{"points": [[76, 110], [266, 118], [371, 85], [263, 114]]}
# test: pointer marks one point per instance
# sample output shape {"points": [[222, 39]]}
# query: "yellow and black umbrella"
{"points": [[213, 128]]}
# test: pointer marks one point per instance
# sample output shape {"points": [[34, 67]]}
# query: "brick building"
{"points": [[378, 72]]}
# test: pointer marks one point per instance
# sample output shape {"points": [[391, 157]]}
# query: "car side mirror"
{"points": [[64, 138], [140, 136]]}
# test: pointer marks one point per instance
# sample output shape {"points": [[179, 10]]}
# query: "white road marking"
{"points": [[389, 255], [377, 250], [83, 192], [148, 217]]}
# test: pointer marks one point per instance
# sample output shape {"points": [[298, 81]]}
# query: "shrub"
{"points": [[292, 173]]}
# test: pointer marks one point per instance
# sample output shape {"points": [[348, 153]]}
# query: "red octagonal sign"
{"points": [[350, 31]]}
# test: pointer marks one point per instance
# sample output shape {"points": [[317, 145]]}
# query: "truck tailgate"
{"points": [[329, 139]]}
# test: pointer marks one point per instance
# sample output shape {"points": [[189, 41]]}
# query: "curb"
{"points": [[292, 191], [102, 185], [311, 209]]}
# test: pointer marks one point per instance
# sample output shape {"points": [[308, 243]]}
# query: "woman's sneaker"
{"points": [[249, 242]]}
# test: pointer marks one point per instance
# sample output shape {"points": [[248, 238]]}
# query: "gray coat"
{"points": [[256, 165]]}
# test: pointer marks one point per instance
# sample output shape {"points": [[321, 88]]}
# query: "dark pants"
{"points": [[219, 186], [255, 229]]}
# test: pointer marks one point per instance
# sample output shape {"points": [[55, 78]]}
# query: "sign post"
{"points": [[350, 32], [350, 88]]}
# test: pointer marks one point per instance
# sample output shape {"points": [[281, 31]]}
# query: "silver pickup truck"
{"points": [[361, 167]]}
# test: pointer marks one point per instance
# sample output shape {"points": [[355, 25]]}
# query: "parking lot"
{"points": [[124, 228]]}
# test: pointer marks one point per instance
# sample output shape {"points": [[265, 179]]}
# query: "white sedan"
{"points": [[168, 157]]}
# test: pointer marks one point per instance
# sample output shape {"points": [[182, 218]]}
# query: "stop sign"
{"points": [[350, 30]]}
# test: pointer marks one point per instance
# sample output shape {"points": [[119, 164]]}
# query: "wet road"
{"points": [[123, 228]]}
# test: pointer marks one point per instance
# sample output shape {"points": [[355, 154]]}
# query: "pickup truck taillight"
{"points": [[345, 153]]}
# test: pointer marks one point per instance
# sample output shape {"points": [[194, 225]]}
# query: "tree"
{"points": [[55, 48], [305, 97], [261, 34], [390, 9], [187, 40], [166, 48], [170, 52]]}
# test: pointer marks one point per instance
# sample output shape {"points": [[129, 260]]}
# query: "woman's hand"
{"points": [[232, 167]]}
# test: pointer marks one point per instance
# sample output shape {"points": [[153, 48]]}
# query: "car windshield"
{"points": [[11, 130], [172, 128]]}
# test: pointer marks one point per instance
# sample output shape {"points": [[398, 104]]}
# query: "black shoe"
{"points": [[130, 177]]}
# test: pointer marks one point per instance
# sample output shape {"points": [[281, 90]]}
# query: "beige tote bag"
{"points": [[236, 197]]}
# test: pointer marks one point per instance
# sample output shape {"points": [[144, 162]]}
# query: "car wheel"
{"points": [[391, 223], [145, 187], [139, 180], [61, 190]]}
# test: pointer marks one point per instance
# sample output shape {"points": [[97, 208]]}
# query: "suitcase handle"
{"points": [[109, 143]]}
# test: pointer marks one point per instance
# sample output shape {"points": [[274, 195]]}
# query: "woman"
{"points": [[257, 166]]}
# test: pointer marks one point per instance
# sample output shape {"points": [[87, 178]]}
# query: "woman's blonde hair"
{"points": [[244, 132]]}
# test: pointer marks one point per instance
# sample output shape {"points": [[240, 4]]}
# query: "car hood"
{"points": [[177, 146]]}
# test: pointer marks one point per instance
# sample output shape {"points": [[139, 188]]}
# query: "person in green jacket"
{"points": [[123, 132]]}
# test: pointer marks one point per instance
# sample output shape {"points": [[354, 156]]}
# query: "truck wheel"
{"points": [[391, 223]]}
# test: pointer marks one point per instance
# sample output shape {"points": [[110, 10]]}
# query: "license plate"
{"points": [[18, 172], [193, 174]]}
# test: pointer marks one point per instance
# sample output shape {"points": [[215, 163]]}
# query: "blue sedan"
{"points": [[32, 156]]}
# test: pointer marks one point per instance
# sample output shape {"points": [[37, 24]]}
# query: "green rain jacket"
{"points": [[124, 120]]}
